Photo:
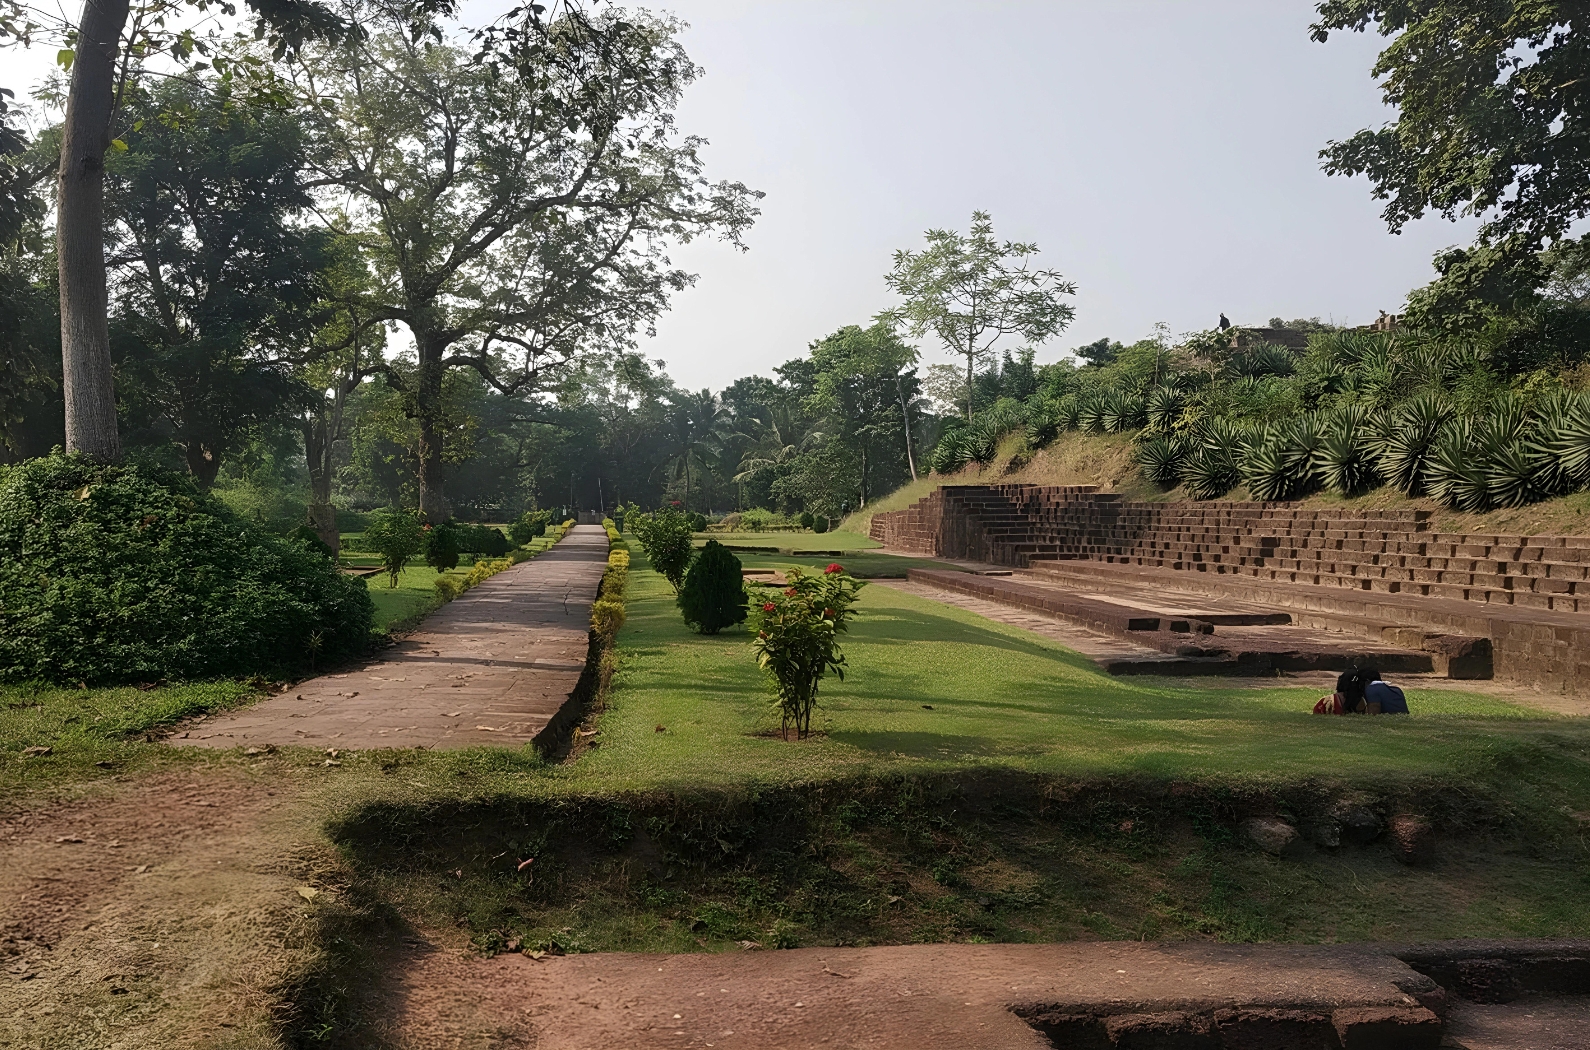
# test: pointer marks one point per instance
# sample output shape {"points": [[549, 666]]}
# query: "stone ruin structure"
{"points": [[1244, 588]]}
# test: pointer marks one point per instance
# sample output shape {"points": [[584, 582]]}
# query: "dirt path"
{"points": [[492, 667], [155, 913], [900, 998]]}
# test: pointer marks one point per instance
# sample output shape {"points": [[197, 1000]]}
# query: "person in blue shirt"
{"points": [[1381, 698]]}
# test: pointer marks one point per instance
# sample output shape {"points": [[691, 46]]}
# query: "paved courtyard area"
{"points": [[493, 666]]}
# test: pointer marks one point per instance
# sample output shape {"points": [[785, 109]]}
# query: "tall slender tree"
{"points": [[971, 291]]}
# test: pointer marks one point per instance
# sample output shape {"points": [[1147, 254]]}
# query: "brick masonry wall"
{"points": [[1529, 594]]}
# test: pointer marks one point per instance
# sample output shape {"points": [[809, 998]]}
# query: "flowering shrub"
{"points": [[797, 639]]}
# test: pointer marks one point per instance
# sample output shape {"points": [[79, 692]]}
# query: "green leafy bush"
{"points": [[397, 537], [482, 541], [668, 541], [442, 546], [129, 573], [531, 523], [797, 640], [819, 524], [713, 595]]}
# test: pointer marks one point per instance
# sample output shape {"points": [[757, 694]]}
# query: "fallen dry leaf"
{"points": [[67, 838], [37, 750], [308, 893], [487, 729], [523, 864]]}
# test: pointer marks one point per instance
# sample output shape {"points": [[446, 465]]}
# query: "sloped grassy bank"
{"points": [[991, 855], [971, 782]]}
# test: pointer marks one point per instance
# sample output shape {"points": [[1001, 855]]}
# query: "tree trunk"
{"points": [[203, 463], [969, 359], [428, 408], [87, 384], [905, 414], [319, 433]]}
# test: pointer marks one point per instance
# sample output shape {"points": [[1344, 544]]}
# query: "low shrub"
{"points": [[797, 640], [442, 546], [447, 588], [485, 570], [713, 595], [667, 539], [819, 524], [607, 617], [531, 523], [129, 573], [397, 537], [607, 614]]}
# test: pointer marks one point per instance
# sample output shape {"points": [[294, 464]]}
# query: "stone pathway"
{"points": [[494, 666]]}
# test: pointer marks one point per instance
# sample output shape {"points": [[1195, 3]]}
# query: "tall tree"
{"points": [[862, 378], [1493, 120], [971, 291], [218, 288], [102, 53], [695, 423], [517, 201]]}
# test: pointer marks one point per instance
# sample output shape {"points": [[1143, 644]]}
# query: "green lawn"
{"points": [[1003, 697], [801, 541]]}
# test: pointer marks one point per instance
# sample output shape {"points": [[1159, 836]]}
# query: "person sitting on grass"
{"points": [[1361, 691]]}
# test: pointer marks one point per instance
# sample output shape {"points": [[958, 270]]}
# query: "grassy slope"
{"points": [[1105, 460]]}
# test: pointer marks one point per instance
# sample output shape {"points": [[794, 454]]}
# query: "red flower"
{"points": [[828, 614], [835, 567], [769, 607], [790, 592]]}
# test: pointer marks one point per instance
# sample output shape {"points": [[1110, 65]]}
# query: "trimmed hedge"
{"points": [[130, 573]]}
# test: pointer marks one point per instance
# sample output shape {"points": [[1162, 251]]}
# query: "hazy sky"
{"points": [[1162, 154]]}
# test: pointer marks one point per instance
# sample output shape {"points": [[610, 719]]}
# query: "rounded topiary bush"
{"points": [[713, 596], [129, 573]]}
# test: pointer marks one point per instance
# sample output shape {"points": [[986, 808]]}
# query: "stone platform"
{"points": [[1367, 585]]}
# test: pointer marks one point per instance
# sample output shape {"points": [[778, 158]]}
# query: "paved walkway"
{"points": [[491, 667]]}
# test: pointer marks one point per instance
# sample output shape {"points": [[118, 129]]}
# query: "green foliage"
{"points": [[397, 537], [820, 523], [442, 545], [797, 639], [1160, 458], [125, 574], [307, 536], [668, 539], [970, 289], [713, 595], [482, 541], [532, 523], [1489, 119]]}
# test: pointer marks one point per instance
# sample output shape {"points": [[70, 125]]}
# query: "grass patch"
{"points": [[92, 733], [800, 541]]}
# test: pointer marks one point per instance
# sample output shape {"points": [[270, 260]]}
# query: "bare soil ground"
{"points": [[900, 998], [162, 912]]}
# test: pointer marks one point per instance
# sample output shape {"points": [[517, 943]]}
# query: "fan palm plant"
{"points": [[1403, 455], [1159, 458], [1162, 408], [1343, 458]]}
